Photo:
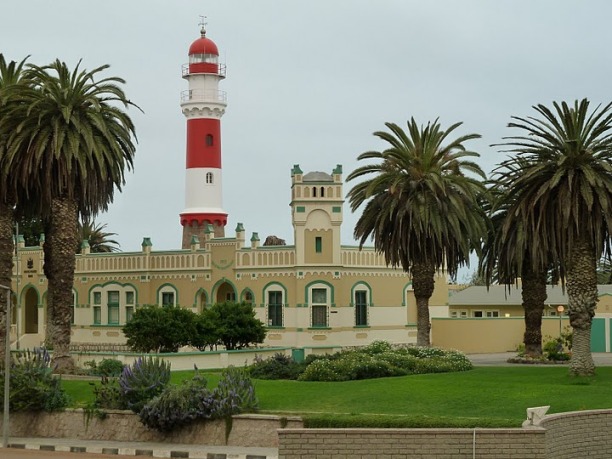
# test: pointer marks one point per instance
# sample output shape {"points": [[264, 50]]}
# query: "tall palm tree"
{"points": [[564, 197], [70, 141], [99, 240], [10, 75], [421, 209], [505, 257]]}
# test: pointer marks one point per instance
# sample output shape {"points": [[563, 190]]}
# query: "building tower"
{"points": [[203, 105]]}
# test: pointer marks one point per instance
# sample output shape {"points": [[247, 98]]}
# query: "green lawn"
{"points": [[485, 396]]}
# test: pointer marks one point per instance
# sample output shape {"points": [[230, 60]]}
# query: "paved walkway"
{"points": [[171, 450], [602, 359]]}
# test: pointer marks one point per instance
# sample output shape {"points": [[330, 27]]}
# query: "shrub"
{"points": [[235, 324], [380, 359], [143, 380], [33, 386], [279, 366], [192, 400], [160, 329], [107, 367], [108, 395], [235, 392], [179, 405]]}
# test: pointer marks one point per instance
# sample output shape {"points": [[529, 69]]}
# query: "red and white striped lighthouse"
{"points": [[203, 105]]}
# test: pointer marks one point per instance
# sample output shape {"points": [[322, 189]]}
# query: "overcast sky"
{"points": [[309, 82]]}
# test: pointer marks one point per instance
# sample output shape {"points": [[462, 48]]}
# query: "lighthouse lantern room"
{"points": [[203, 105]]}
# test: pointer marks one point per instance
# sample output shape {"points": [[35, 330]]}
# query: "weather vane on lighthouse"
{"points": [[203, 25]]}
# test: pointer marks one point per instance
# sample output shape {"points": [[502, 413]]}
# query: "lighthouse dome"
{"points": [[203, 45], [204, 56]]}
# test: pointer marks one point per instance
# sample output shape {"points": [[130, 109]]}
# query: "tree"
{"points": [[505, 258], [421, 209], [235, 324], [11, 74], [74, 130], [160, 329], [99, 241], [563, 194]]}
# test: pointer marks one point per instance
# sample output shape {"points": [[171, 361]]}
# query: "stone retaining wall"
{"points": [[247, 430], [412, 443], [579, 434]]}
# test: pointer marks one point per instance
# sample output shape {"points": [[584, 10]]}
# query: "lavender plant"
{"points": [[179, 405], [33, 386], [143, 380]]}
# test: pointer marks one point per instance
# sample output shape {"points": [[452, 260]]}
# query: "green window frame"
{"points": [[97, 315], [275, 308], [361, 308], [318, 244], [319, 307], [167, 299], [113, 307]]}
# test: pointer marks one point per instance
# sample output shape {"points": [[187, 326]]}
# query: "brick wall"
{"points": [[412, 443], [579, 434]]}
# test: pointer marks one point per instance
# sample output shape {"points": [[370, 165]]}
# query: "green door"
{"points": [[297, 354], [598, 335]]}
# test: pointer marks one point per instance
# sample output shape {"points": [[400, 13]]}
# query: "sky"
{"points": [[309, 82]]}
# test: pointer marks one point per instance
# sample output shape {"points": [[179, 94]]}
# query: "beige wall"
{"points": [[487, 335]]}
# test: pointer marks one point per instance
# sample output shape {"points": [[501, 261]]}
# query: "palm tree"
{"points": [[10, 75], [421, 209], [563, 195], [505, 258], [70, 141], [99, 240]]}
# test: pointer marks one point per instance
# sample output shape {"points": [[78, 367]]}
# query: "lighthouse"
{"points": [[203, 105]]}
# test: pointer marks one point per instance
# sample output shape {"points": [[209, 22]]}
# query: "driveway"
{"points": [[500, 359]]}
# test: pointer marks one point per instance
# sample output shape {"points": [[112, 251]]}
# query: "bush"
{"points": [[179, 405], [33, 386], [279, 366], [235, 392], [380, 359], [143, 380], [107, 367], [160, 329], [108, 395], [235, 324]]}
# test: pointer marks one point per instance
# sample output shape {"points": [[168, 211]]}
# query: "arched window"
{"points": [[209, 177], [209, 140], [314, 191], [322, 192]]}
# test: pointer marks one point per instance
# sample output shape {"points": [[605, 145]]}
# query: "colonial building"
{"points": [[315, 292]]}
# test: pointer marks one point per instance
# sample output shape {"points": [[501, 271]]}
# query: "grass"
{"points": [[483, 397]]}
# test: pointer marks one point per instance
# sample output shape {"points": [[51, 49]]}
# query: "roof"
{"points": [[317, 176], [499, 295], [203, 45]]}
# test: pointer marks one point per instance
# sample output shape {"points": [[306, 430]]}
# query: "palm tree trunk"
{"points": [[423, 285], [582, 299], [62, 239], [6, 267], [534, 298], [48, 270]]}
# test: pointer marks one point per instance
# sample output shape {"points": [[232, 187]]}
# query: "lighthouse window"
{"points": [[209, 140], [206, 58], [209, 177]]}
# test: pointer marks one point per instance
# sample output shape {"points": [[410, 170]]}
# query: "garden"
{"points": [[375, 386]]}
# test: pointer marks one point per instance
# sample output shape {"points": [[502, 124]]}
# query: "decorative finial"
{"points": [[203, 26]]}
